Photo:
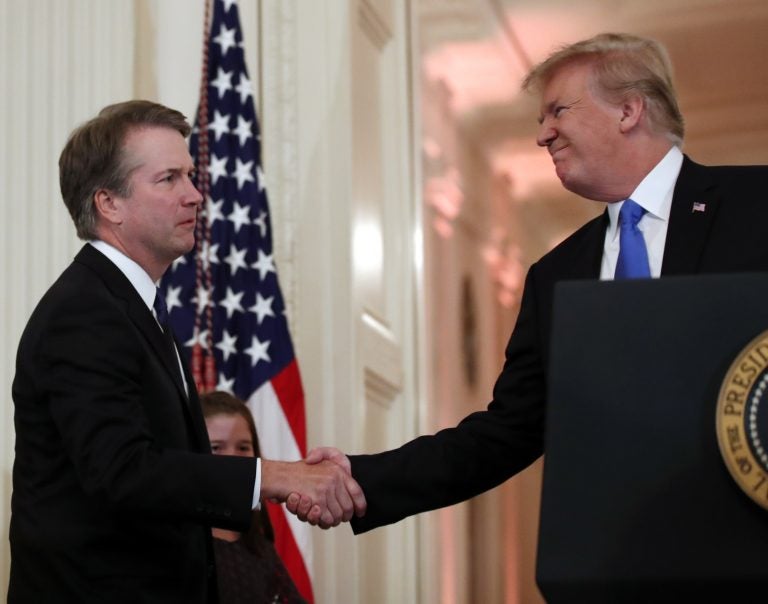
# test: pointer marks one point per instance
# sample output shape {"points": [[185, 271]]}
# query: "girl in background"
{"points": [[248, 569]]}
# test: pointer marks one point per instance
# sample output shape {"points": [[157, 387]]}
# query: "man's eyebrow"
{"points": [[175, 170], [550, 108]]}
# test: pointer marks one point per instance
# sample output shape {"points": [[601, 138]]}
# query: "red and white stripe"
{"points": [[278, 409]]}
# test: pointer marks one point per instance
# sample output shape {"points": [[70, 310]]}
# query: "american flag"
{"points": [[224, 296]]}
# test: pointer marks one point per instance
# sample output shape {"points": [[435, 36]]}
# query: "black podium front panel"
{"points": [[637, 504]]}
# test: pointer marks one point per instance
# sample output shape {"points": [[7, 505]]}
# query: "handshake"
{"points": [[319, 489]]}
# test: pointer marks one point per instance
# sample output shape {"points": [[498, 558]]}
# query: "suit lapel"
{"points": [[137, 311], [586, 261], [142, 317], [694, 205]]}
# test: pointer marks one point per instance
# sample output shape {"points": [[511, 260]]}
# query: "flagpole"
{"points": [[203, 362]]}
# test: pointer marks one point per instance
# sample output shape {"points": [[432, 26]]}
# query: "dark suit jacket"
{"points": [[489, 446], [114, 486]]}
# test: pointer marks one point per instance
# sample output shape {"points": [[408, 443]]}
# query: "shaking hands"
{"points": [[319, 490]]}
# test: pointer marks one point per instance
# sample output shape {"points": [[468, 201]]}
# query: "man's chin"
{"points": [[575, 186], [569, 184], [184, 248], [561, 172]]}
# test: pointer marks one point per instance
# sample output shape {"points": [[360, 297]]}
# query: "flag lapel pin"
{"points": [[699, 207]]}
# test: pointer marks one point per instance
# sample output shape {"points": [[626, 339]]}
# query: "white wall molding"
{"points": [[280, 140]]}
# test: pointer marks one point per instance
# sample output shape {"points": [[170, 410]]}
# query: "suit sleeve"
{"points": [[482, 451]]}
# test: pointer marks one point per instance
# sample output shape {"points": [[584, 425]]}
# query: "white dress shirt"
{"points": [[654, 194]]}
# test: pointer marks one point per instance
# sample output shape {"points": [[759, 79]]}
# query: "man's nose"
{"points": [[193, 195], [546, 134]]}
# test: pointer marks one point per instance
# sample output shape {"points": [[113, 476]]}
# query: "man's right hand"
{"points": [[302, 506], [324, 490]]}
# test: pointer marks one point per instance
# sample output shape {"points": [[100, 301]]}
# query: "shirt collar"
{"points": [[654, 193], [138, 277]]}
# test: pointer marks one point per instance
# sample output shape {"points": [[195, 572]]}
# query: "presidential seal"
{"points": [[742, 420]]}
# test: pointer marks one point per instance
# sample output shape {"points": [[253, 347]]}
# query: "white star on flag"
{"points": [[243, 172], [227, 385], [225, 39], [261, 222], [172, 298], [214, 211], [227, 344], [210, 254], [197, 338], [202, 299], [223, 82], [232, 302], [260, 176], [217, 168], [262, 308], [244, 88], [219, 125], [264, 264], [236, 259], [258, 351], [178, 261], [239, 216], [243, 130]]}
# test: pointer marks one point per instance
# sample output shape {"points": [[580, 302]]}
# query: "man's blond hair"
{"points": [[623, 65]]}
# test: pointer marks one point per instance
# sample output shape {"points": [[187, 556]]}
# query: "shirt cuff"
{"points": [[257, 487]]}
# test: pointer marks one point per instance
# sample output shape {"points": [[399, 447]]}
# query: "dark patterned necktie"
{"points": [[161, 310]]}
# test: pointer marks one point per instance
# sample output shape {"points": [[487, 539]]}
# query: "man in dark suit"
{"points": [[611, 123], [114, 485]]}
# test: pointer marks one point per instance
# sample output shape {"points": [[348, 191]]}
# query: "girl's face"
{"points": [[229, 435]]}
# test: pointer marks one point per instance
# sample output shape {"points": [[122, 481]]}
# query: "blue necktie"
{"points": [[633, 256]]}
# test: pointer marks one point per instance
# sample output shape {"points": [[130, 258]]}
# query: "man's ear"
{"points": [[632, 110], [108, 206]]}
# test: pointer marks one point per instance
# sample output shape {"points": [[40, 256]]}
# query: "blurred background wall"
{"points": [[408, 200]]}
